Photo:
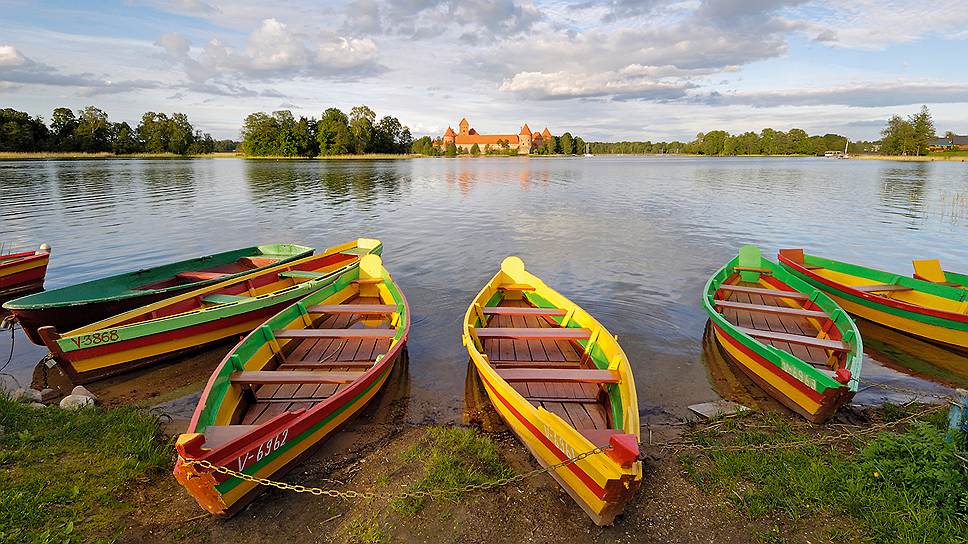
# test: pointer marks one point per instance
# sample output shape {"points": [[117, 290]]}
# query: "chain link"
{"points": [[906, 391], [433, 493], [501, 482]]}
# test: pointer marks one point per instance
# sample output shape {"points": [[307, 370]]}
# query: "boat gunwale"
{"points": [[854, 362]]}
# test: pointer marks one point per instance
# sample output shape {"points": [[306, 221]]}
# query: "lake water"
{"points": [[632, 240]]}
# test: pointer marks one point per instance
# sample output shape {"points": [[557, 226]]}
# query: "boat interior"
{"points": [[544, 362], [778, 316], [307, 365], [241, 264]]}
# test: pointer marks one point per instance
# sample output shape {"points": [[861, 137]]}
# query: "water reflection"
{"points": [[912, 356], [902, 190]]}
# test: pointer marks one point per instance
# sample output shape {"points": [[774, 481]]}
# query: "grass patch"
{"points": [[367, 531], [453, 457], [894, 487], [63, 474]]}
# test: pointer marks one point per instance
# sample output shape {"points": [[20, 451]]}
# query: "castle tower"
{"points": [[524, 137], [546, 133], [449, 137], [464, 127]]}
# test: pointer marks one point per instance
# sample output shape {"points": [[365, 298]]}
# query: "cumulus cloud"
{"points": [[274, 51], [867, 95], [17, 70], [635, 82], [426, 19]]}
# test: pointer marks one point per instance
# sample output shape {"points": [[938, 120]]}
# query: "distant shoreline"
{"points": [[10, 155]]}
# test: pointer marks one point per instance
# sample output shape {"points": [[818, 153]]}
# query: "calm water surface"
{"points": [[632, 240]]}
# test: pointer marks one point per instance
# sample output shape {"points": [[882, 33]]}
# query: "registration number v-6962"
{"points": [[96, 338], [264, 449]]}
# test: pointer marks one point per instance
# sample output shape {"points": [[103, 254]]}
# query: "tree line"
{"points": [[90, 131], [334, 133], [721, 143]]}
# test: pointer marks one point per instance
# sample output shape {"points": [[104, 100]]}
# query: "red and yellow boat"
{"points": [[292, 383], [788, 337], [23, 272], [562, 383], [930, 310], [191, 320]]}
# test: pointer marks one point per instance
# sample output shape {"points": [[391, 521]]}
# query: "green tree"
{"points": [[361, 126], [333, 133], [713, 142], [451, 150], [123, 139], [180, 134], [579, 145], [475, 150], [304, 135], [567, 144], [796, 139], [923, 128], [152, 132], [387, 135], [260, 134], [62, 125], [20, 132], [92, 131], [898, 137]]}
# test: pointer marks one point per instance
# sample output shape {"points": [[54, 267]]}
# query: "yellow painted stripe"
{"points": [[910, 326], [779, 383], [17, 268]]}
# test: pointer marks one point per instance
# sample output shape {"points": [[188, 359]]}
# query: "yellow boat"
{"points": [[562, 383]]}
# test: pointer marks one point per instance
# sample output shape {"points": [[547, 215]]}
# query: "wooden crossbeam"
{"points": [[752, 269], [283, 377], [823, 343], [308, 365], [764, 292], [301, 274], [534, 333], [223, 299], [516, 287], [762, 308], [514, 311], [536, 364], [334, 333], [369, 309], [558, 376]]}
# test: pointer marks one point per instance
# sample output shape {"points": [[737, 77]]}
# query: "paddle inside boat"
{"points": [[789, 338], [84, 303], [23, 271], [930, 310], [561, 382], [188, 321], [291, 383]]}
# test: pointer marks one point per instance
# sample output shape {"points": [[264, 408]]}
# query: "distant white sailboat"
{"points": [[588, 150]]}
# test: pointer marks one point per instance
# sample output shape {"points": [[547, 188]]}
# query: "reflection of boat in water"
{"points": [[727, 382], [910, 355]]}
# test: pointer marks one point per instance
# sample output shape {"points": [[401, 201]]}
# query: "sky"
{"points": [[610, 70]]}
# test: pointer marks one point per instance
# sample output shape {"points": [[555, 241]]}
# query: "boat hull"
{"points": [[783, 387], [121, 293], [24, 273]]}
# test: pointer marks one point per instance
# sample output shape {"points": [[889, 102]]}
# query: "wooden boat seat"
{"points": [[516, 287], [334, 333], [599, 437], [199, 276], [811, 341], [223, 299], [763, 292], [558, 376], [752, 269], [356, 251], [309, 365], [742, 306], [880, 288], [516, 311], [534, 333], [219, 435], [369, 309], [270, 377], [300, 274], [367, 281], [536, 364]]}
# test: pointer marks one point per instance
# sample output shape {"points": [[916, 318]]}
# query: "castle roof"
{"points": [[463, 121], [525, 131], [472, 131], [450, 132], [546, 133], [536, 136]]}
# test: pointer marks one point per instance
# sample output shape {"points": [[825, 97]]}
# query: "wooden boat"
{"points": [[561, 382], [930, 270], [292, 383], [24, 271], [84, 303], [188, 321], [789, 338], [933, 311]]}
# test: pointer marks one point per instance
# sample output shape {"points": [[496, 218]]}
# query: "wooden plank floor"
{"points": [[582, 405], [777, 323], [272, 400]]}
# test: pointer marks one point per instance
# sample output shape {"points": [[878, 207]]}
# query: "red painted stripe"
{"points": [[24, 276], [767, 365], [592, 485], [875, 298], [151, 339], [11, 259]]}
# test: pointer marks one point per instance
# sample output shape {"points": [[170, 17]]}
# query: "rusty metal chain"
{"points": [[432, 493], [906, 391]]}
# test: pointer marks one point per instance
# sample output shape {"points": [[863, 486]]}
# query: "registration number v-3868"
{"points": [[95, 339]]}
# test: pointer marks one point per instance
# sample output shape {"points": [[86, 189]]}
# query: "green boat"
{"points": [[81, 304]]}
